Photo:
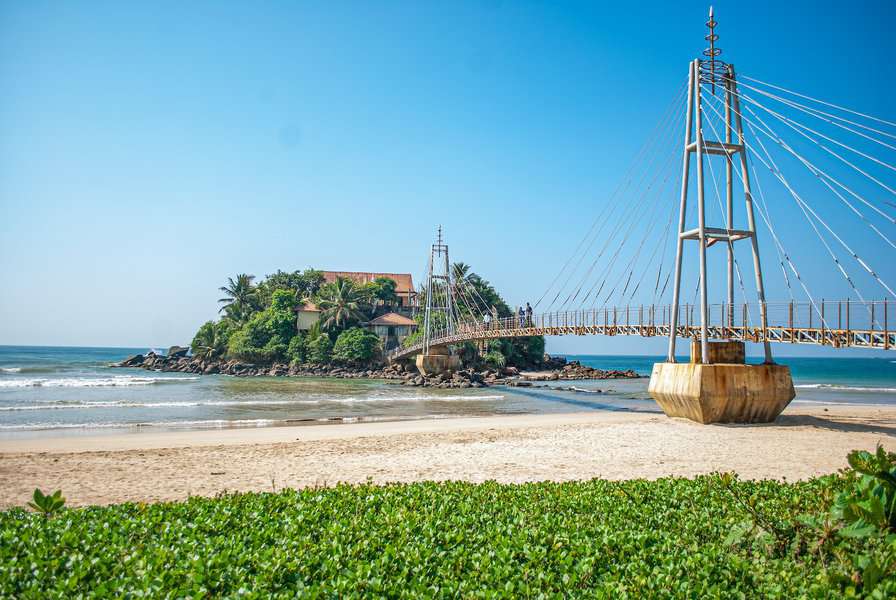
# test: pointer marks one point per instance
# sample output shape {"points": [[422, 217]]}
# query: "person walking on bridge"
{"points": [[487, 320], [528, 315], [522, 317]]}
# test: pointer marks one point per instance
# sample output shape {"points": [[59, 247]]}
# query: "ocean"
{"points": [[72, 391]]}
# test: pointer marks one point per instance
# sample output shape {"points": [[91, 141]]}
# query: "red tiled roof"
{"points": [[307, 307], [392, 318], [404, 281]]}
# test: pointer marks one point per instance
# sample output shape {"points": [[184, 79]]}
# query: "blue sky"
{"points": [[150, 151]]}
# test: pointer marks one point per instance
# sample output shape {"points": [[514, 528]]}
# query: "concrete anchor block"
{"points": [[722, 393]]}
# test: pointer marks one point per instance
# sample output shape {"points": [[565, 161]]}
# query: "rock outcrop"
{"points": [[398, 373], [575, 370]]}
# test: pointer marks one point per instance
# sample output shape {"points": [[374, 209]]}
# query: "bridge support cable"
{"points": [[629, 267], [824, 178], [631, 216], [810, 98], [632, 262], [606, 271], [806, 210], [804, 206], [628, 215], [799, 128], [827, 117], [779, 248], [764, 128], [821, 176], [623, 186], [660, 243]]}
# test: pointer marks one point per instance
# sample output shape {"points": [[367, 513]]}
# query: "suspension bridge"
{"points": [[804, 166]]}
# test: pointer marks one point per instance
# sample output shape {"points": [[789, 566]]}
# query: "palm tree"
{"points": [[460, 271], [209, 342], [463, 282], [240, 296], [340, 303]]}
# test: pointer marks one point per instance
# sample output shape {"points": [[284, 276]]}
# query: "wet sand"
{"points": [[807, 440]]}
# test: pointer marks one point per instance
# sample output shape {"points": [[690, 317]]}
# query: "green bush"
{"points": [[211, 341], [356, 346], [632, 539], [295, 352], [265, 337], [318, 350], [495, 359]]}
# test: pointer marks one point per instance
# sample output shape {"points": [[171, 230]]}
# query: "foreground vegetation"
{"points": [[713, 536]]}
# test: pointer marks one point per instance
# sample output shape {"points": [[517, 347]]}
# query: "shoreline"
{"points": [[805, 441]]}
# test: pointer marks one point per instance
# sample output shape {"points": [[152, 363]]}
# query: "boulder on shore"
{"points": [[131, 361], [177, 352]]}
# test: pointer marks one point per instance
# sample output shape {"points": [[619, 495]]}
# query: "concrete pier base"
{"points": [[437, 361], [722, 393]]}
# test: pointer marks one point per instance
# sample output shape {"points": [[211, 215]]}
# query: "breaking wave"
{"points": [[843, 388], [225, 403], [73, 382]]}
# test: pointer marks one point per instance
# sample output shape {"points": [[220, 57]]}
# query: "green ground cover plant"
{"points": [[709, 537]]}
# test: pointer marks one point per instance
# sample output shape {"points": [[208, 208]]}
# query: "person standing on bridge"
{"points": [[528, 315], [522, 317], [487, 320], [494, 317]]}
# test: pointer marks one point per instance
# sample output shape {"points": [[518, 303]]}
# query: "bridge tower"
{"points": [[717, 385], [439, 312]]}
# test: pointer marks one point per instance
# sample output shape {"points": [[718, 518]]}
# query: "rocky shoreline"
{"points": [[177, 361]]}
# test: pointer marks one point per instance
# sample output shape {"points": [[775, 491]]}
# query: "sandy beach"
{"points": [[807, 440]]}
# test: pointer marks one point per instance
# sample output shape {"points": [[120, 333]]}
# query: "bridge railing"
{"points": [[840, 316]]}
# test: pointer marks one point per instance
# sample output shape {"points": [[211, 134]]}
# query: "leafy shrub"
{"points": [[295, 352], [495, 359], [210, 342], [630, 539], [318, 350], [266, 335], [413, 338], [356, 346], [46, 504]]}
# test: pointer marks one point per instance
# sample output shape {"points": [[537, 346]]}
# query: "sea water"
{"points": [[54, 391]]}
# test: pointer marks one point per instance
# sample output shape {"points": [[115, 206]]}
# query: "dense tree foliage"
{"points": [[267, 334], [341, 303], [319, 350], [295, 352], [210, 342], [356, 346], [303, 284], [240, 300]]}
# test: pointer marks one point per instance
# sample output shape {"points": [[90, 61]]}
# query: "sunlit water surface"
{"points": [[69, 391]]}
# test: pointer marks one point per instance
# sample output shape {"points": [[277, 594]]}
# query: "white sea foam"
{"points": [[843, 388], [77, 382], [836, 403], [225, 403], [10, 369], [201, 424]]}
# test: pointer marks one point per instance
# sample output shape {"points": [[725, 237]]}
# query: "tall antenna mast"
{"points": [[712, 68]]}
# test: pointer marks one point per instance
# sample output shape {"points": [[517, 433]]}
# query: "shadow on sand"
{"points": [[881, 426]]}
